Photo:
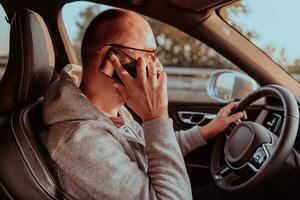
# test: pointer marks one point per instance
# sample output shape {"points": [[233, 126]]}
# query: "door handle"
{"points": [[194, 118]]}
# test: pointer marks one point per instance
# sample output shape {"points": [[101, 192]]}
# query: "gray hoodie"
{"points": [[97, 160]]}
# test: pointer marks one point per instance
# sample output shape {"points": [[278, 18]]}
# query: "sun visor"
{"points": [[200, 5]]}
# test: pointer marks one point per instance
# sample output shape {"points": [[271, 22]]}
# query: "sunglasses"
{"points": [[127, 61]]}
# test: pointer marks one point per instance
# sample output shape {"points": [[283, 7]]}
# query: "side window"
{"points": [[187, 61], [4, 40]]}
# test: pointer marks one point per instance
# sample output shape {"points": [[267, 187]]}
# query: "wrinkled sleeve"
{"points": [[189, 139], [99, 165]]}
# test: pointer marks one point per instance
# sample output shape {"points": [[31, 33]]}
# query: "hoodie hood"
{"points": [[64, 101]]}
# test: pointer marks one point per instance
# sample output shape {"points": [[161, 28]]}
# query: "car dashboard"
{"points": [[271, 117]]}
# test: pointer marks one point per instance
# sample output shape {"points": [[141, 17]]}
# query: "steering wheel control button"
{"points": [[225, 171], [222, 173], [258, 158], [218, 177]]}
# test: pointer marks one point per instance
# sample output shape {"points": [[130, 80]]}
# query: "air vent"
{"points": [[272, 122]]}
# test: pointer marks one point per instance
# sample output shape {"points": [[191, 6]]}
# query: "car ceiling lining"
{"points": [[200, 5]]}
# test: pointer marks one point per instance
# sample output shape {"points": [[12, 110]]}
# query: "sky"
{"points": [[276, 21], [70, 14], [4, 33]]}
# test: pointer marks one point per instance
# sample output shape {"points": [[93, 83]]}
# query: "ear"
{"points": [[101, 56], [102, 52]]}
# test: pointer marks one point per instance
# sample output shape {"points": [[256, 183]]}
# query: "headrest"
{"points": [[31, 61]]}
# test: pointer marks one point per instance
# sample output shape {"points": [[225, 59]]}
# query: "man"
{"points": [[102, 153]]}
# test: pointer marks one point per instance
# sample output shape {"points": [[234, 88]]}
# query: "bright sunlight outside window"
{"points": [[273, 26], [187, 61]]}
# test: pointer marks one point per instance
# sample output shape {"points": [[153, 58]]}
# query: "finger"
{"points": [[162, 80], [245, 117], [122, 73], [141, 69], [159, 67], [152, 73], [228, 108], [158, 64], [122, 90], [235, 117], [108, 70]]}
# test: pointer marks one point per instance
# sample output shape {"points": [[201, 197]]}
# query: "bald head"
{"points": [[115, 26]]}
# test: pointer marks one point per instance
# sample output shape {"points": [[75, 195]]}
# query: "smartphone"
{"points": [[130, 68]]}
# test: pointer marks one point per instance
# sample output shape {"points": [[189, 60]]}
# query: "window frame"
{"points": [[74, 59]]}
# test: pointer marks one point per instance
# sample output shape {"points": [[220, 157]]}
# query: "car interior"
{"points": [[39, 49]]}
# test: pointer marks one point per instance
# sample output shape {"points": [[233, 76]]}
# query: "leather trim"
{"points": [[30, 155], [30, 64], [4, 191]]}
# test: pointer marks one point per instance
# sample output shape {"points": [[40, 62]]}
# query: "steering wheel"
{"points": [[251, 153]]}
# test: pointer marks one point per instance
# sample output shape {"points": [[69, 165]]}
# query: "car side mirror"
{"points": [[228, 85]]}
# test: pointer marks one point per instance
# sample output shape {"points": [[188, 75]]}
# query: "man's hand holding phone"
{"points": [[146, 95]]}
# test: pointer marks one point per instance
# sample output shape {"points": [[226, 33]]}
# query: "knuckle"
{"points": [[123, 73]]}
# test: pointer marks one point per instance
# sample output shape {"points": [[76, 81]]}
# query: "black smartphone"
{"points": [[130, 68]]}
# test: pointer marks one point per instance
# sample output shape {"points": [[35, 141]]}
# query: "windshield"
{"points": [[273, 26]]}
